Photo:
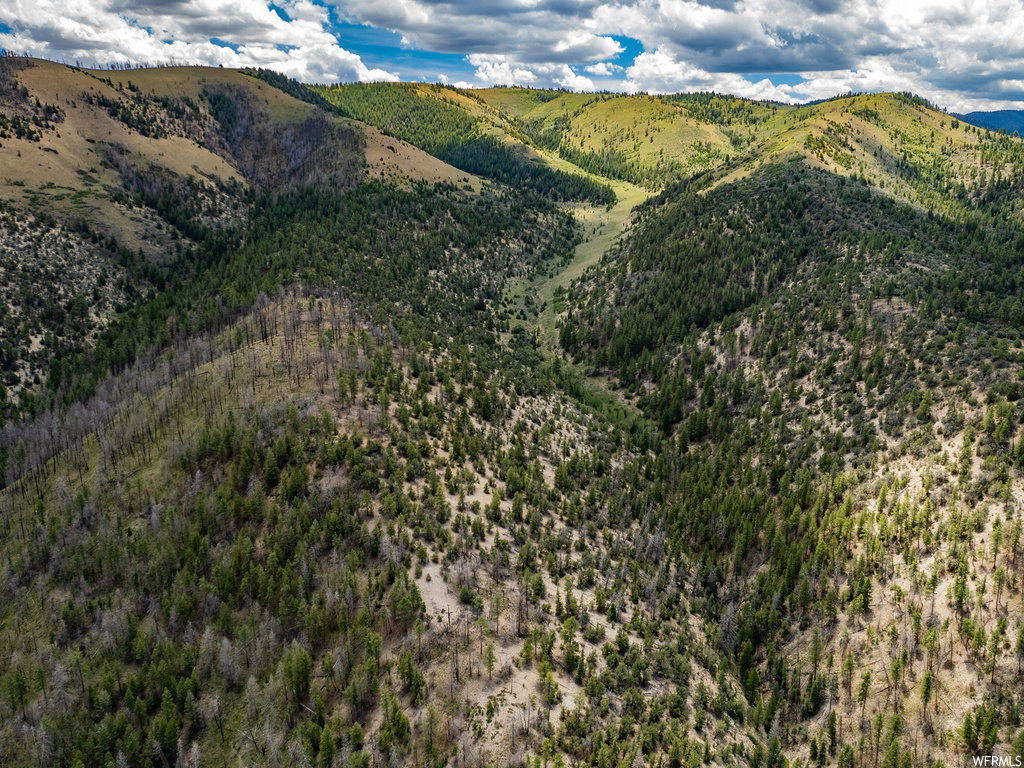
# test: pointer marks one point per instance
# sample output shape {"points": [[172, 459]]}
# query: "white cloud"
{"points": [[957, 52], [317, 64], [572, 81], [960, 54], [587, 46], [528, 32], [876, 76], [492, 72], [247, 33], [1010, 86], [603, 69], [658, 72], [762, 90], [305, 10], [686, 25]]}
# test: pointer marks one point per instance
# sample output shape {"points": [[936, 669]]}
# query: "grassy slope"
{"points": [[650, 133], [71, 148], [67, 157], [75, 183], [899, 145]]}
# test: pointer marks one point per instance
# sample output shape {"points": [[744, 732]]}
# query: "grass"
{"points": [[78, 158], [602, 228], [535, 297], [190, 81]]}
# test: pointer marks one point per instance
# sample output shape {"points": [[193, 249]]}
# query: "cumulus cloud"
{"points": [[572, 81], [603, 69], [658, 72], [959, 54], [232, 33], [586, 45], [323, 63], [530, 32], [491, 72]]}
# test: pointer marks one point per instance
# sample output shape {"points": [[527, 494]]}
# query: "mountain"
{"points": [[1008, 120], [402, 424], [114, 182]]}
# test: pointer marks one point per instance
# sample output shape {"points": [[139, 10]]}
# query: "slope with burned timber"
{"points": [[325, 501], [836, 377], [121, 182], [158, 429]]}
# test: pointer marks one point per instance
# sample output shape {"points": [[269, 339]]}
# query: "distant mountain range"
{"points": [[1009, 119]]}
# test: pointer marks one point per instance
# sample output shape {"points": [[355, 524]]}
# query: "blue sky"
{"points": [[961, 54], [383, 48]]}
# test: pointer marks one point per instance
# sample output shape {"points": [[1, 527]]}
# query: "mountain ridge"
{"points": [[704, 450], [1009, 120]]}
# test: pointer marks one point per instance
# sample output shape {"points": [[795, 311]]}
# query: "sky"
{"points": [[960, 54]]}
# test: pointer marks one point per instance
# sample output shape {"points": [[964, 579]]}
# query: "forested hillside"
{"points": [[427, 120], [1008, 120], [839, 400], [334, 433], [120, 185]]}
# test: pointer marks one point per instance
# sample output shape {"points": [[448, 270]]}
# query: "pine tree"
{"points": [[926, 692], [862, 693], [969, 733]]}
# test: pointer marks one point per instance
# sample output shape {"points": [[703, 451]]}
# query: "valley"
{"points": [[402, 424]]}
